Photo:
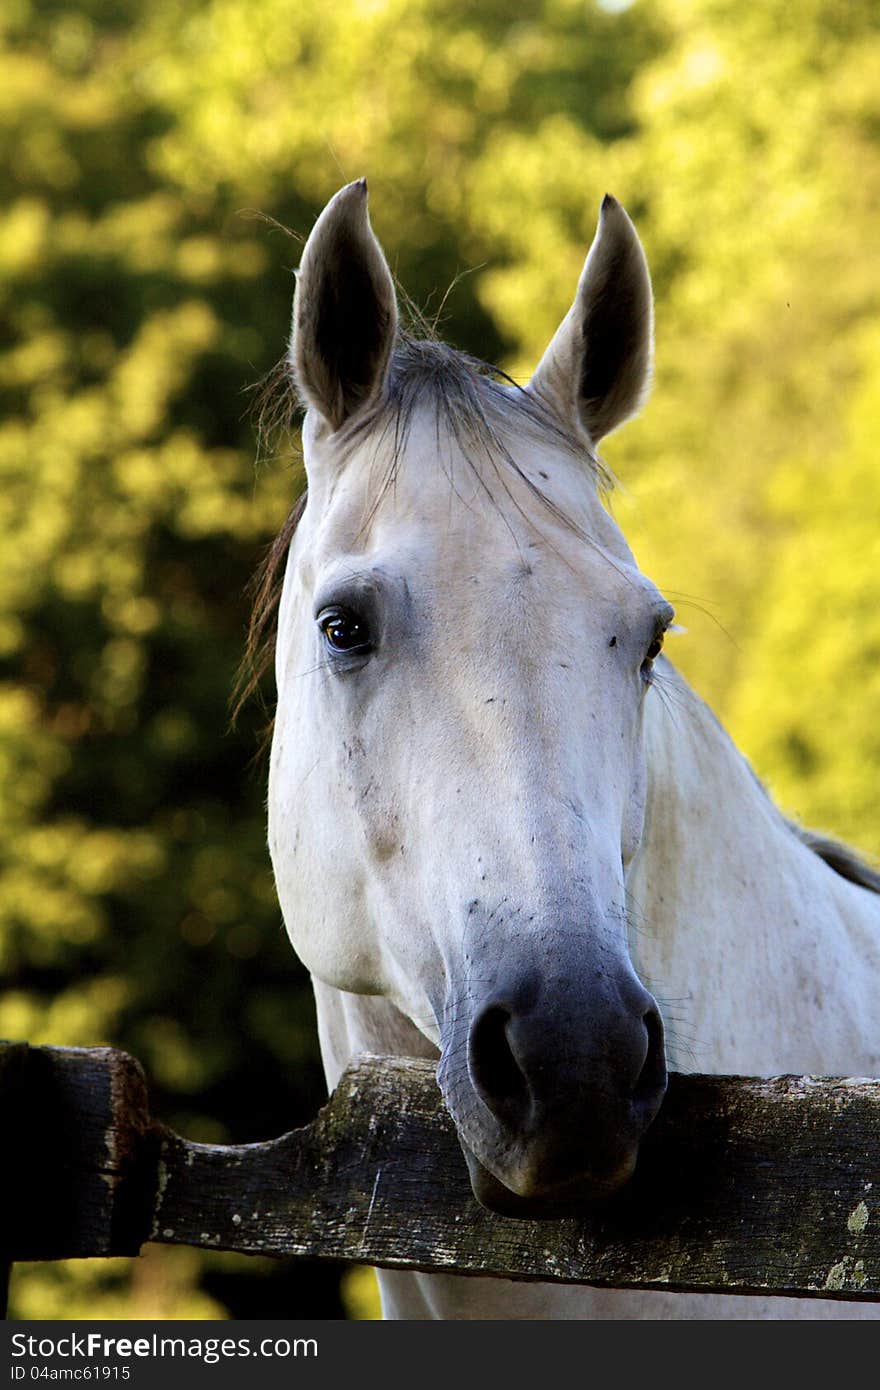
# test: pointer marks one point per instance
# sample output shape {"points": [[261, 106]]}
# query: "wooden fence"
{"points": [[744, 1185]]}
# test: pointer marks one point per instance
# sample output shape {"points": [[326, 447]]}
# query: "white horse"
{"points": [[486, 830]]}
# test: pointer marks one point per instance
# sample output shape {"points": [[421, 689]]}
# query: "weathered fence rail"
{"points": [[744, 1185]]}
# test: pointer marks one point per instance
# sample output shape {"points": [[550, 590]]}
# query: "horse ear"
{"points": [[599, 361], [344, 311]]}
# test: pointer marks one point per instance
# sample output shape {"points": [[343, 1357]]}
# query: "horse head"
{"points": [[465, 645]]}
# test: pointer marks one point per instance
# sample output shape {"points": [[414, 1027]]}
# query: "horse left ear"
{"points": [[598, 364], [344, 311]]}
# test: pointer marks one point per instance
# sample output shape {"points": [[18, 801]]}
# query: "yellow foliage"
{"points": [[158, 1286], [360, 1294]]}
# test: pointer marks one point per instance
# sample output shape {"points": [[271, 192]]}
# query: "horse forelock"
{"points": [[475, 402]]}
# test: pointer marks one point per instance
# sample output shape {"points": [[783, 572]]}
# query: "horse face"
{"points": [[464, 648]]}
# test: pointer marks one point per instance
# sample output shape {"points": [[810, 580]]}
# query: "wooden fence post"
{"points": [[78, 1154], [12, 1057]]}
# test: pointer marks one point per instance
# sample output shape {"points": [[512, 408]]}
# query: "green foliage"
{"points": [[136, 905], [141, 294], [809, 711]]}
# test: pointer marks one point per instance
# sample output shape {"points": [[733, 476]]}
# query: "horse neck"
{"points": [[353, 1024], [762, 959]]}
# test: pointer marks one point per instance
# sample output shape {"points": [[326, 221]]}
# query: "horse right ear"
{"points": [[598, 364], [344, 312]]}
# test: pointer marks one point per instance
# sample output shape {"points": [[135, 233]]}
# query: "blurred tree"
{"points": [[142, 294], [809, 707], [136, 904]]}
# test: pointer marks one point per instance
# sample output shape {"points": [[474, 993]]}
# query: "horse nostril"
{"points": [[651, 1084], [495, 1072], [512, 1058]]}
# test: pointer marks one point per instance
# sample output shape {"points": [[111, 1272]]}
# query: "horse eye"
{"points": [[651, 655], [345, 631]]}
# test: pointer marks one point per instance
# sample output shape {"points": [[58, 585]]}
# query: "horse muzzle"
{"points": [[551, 1090]]}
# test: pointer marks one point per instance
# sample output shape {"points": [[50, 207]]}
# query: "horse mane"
{"points": [[264, 591], [839, 857], [475, 402]]}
